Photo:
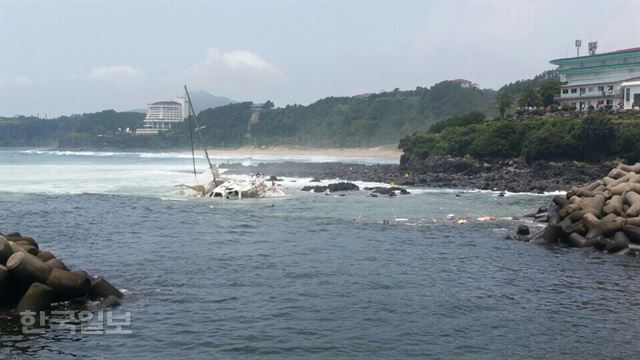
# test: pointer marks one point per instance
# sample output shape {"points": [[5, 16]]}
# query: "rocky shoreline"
{"points": [[513, 175]]}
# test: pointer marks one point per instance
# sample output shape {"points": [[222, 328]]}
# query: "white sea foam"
{"points": [[493, 192], [70, 153], [219, 158], [145, 173]]}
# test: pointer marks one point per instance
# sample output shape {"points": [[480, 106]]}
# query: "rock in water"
{"points": [[523, 230], [316, 188], [341, 186], [389, 191]]}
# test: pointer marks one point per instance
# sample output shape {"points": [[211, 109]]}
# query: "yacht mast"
{"points": [[214, 169]]}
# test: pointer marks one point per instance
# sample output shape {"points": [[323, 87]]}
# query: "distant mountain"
{"points": [[202, 100]]}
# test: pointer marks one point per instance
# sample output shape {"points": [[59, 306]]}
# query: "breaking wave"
{"points": [[218, 157]]}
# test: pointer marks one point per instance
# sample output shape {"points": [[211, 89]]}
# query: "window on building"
{"points": [[590, 89], [627, 94], [574, 90], [610, 87], [565, 91], [609, 102], [582, 90], [600, 88]]}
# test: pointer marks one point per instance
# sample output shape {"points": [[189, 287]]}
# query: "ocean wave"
{"points": [[494, 192], [219, 158], [68, 153], [147, 155]]}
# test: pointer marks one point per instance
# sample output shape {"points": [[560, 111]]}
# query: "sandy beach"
{"points": [[375, 152]]}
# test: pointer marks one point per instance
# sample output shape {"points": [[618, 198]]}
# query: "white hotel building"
{"points": [[598, 80], [163, 115]]}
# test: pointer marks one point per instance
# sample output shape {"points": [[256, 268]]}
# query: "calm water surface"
{"points": [[309, 275]]}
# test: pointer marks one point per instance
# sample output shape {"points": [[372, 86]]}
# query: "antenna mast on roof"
{"points": [[593, 46], [578, 44]]}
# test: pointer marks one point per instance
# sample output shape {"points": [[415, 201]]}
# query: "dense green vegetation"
{"points": [[544, 87], [370, 120], [474, 117], [223, 126], [531, 133], [33, 131], [377, 119], [564, 137]]}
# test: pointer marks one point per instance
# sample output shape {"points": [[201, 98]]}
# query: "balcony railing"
{"points": [[593, 94]]}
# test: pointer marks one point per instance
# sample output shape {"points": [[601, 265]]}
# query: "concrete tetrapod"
{"points": [[110, 301], [67, 285], [31, 279], [57, 264], [28, 268], [26, 239], [604, 214], [46, 256], [101, 288], [37, 298], [5, 250]]}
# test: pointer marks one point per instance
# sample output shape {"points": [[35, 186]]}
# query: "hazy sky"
{"points": [[63, 57]]}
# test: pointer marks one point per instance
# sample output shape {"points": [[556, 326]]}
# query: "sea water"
{"points": [[308, 275]]}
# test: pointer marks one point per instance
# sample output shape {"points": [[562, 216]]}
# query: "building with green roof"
{"points": [[598, 80]]}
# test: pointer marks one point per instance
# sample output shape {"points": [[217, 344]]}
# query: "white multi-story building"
{"points": [[599, 80], [163, 115]]}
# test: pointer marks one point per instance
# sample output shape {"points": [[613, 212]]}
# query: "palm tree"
{"points": [[503, 101]]}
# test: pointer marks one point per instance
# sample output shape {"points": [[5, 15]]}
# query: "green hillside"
{"points": [[376, 119]]}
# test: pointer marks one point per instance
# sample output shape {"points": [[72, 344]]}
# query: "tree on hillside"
{"points": [[530, 98], [503, 101], [268, 105], [548, 90], [597, 137], [515, 89], [474, 117]]}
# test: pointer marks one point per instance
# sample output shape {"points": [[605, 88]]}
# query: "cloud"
{"points": [[239, 74], [114, 73], [239, 58], [19, 82], [495, 42]]}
